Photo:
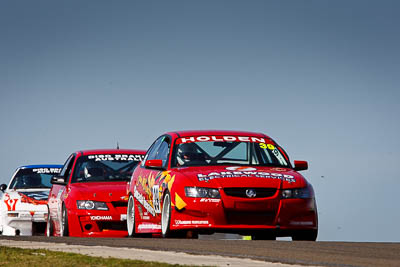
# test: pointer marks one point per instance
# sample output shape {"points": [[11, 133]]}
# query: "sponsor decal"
{"points": [[210, 200], [140, 211], [47, 170], [102, 218], [10, 203], [234, 172], [120, 157], [143, 201], [183, 222], [148, 226], [208, 138], [123, 217]]}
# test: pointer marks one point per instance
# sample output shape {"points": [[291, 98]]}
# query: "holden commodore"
{"points": [[193, 182], [88, 198]]}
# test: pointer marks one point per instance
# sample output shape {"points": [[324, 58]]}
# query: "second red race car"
{"points": [[195, 182], [88, 198]]}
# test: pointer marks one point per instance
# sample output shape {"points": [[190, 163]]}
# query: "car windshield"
{"points": [[33, 178], [105, 168], [223, 152]]}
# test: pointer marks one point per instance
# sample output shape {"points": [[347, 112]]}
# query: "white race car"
{"points": [[23, 203]]}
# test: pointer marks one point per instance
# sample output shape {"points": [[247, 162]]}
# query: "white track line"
{"points": [[144, 254]]}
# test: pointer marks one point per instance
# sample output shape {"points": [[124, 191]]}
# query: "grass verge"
{"points": [[40, 257]]}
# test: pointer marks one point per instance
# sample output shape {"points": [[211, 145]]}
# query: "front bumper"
{"points": [[25, 223], [97, 223], [246, 216]]}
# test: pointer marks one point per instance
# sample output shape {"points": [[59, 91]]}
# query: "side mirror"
{"points": [[58, 180], [154, 164], [300, 165], [3, 187]]}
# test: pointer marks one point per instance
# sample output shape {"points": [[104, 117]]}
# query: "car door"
{"points": [[147, 180], [58, 191]]}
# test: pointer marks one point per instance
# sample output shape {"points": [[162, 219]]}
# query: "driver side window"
{"points": [[66, 170], [160, 150]]}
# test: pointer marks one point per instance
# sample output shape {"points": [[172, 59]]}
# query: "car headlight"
{"points": [[91, 205], [296, 193], [202, 192]]}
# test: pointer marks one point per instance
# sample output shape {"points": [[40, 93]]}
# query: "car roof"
{"points": [[215, 132], [111, 151]]}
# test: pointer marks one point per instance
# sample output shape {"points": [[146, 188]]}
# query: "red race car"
{"points": [[88, 198], [193, 182]]}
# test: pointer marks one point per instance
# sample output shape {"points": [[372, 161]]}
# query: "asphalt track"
{"points": [[299, 253]]}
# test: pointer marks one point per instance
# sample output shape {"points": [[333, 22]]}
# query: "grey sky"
{"points": [[320, 77]]}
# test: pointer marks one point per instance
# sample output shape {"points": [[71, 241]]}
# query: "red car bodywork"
{"points": [[264, 216], [65, 193]]}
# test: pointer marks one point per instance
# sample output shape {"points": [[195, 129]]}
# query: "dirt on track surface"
{"points": [[303, 253]]}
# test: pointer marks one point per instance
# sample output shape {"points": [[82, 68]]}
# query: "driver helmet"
{"points": [[187, 153], [92, 169]]}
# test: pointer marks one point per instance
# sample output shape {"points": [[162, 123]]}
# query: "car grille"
{"points": [[249, 218], [121, 226], [117, 204], [241, 192]]}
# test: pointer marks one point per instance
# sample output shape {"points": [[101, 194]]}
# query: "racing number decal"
{"points": [[156, 198], [269, 146], [274, 151]]}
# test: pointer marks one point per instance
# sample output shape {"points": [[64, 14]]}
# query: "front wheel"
{"points": [[166, 215], [130, 216], [263, 236], [305, 235], [64, 222], [49, 224]]}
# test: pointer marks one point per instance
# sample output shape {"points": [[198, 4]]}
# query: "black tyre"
{"points": [[263, 236], [305, 235], [130, 217], [166, 215], [64, 222], [49, 224]]}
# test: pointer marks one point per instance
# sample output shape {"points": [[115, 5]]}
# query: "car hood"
{"points": [[101, 191], [242, 176], [27, 199]]}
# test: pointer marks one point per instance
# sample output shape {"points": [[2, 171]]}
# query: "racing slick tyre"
{"points": [[166, 221], [263, 236], [49, 225], [130, 217], [166, 215], [64, 222], [49, 228], [305, 235]]}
